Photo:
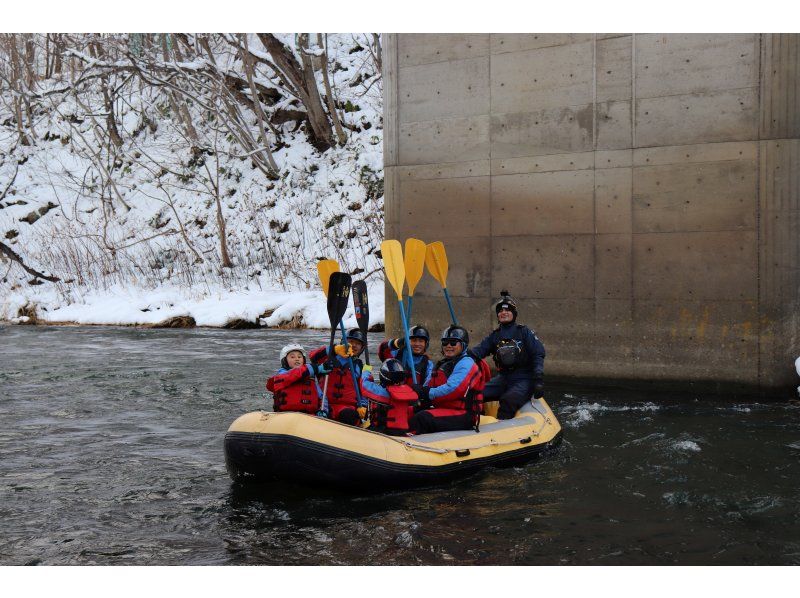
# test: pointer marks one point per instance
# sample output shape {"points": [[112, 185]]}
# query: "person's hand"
{"points": [[362, 413], [366, 368], [423, 392], [399, 343], [321, 369], [538, 390], [322, 413], [343, 350]]}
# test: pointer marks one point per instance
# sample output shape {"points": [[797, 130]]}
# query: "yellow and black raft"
{"points": [[321, 452]]}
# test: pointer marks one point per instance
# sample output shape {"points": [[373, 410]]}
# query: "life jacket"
{"points": [[522, 359], [341, 392], [395, 416], [294, 390], [470, 401]]}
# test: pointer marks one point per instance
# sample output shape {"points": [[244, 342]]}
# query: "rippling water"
{"points": [[111, 453]]}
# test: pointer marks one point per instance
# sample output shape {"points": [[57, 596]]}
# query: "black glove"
{"points": [[423, 394], [399, 343], [538, 390]]}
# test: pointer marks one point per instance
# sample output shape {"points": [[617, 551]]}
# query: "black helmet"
{"points": [[456, 333], [507, 354], [392, 372], [356, 335], [419, 331], [506, 301]]}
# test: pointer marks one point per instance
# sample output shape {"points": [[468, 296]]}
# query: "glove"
{"points": [[399, 343], [362, 413], [366, 368], [538, 390], [423, 392], [320, 369], [322, 413], [343, 351]]}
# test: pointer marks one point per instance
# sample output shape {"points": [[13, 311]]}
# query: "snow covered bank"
{"points": [[130, 306]]}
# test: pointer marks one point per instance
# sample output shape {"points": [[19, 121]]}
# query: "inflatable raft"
{"points": [[312, 450]]}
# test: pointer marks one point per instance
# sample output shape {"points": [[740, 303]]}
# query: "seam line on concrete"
{"points": [[695, 93], [631, 296], [594, 186], [759, 168], [491, 198]]}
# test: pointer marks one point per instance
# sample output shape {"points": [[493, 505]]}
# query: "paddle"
{"points": [[361, 307], [414, 262], [338, 296], [325, 269], [395, 272], [436, 261]]}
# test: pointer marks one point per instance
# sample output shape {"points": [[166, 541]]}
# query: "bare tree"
{"points": [[300, 80]]}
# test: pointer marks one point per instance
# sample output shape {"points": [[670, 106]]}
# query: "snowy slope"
{"points": [[161, 257]]}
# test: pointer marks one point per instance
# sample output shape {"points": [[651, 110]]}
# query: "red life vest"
{"points": [[294, 391], [469, 396], [341, 392], [400, 396]]}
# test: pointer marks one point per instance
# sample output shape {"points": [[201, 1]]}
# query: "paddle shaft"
{"points": [[408, 351], [408, 315], [352, 364], [450, 306]]}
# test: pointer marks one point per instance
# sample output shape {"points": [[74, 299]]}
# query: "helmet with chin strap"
{"points": [[288, 349], [456, 333], [420, 331]]}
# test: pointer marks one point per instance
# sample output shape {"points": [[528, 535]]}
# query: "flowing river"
{"points": [[111, 452]]}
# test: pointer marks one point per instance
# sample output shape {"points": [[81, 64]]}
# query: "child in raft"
{"points": [[392, 398], [295, 387], [343, 401]]}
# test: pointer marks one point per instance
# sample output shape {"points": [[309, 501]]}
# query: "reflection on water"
{"points": [[112, 454]]}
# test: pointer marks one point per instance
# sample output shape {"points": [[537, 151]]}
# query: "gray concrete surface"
{"points": [[639, 194]]}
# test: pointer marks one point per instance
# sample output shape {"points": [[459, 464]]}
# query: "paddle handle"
{"points": [[408, 315], [408, 351], [450, 306]]}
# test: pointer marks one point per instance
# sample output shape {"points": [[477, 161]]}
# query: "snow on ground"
{"points": [[125, 305], [59, 216]]}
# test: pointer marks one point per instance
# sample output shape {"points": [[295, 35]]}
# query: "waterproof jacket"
{"points": [[294, 390], [530, 365], [341, 392], [457, 382], [422, 363]]}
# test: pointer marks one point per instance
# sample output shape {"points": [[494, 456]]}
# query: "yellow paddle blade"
{"points": [[325, 268], [414, 263], [436, 261], [393, 264]]}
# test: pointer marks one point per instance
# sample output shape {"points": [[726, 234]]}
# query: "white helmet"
{"points": [[288, 349]]}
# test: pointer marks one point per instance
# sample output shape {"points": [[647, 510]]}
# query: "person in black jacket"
{"points": [[519, 356]]}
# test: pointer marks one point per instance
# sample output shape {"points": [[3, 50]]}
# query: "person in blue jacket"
{"points": [[451, 399], [519, 356], [420, 340]]}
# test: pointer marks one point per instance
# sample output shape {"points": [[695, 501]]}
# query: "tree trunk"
{"points": [[261, 117], [337, 124], [303, 82]]}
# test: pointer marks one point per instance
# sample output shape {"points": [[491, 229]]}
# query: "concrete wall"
{"points": [[638, 193]]}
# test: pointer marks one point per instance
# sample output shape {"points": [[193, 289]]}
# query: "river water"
{"points": [[111, 452]]}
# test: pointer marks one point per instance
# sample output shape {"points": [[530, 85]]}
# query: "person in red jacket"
{"points": [[342, 398], [452, 399], [294, 387]]}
